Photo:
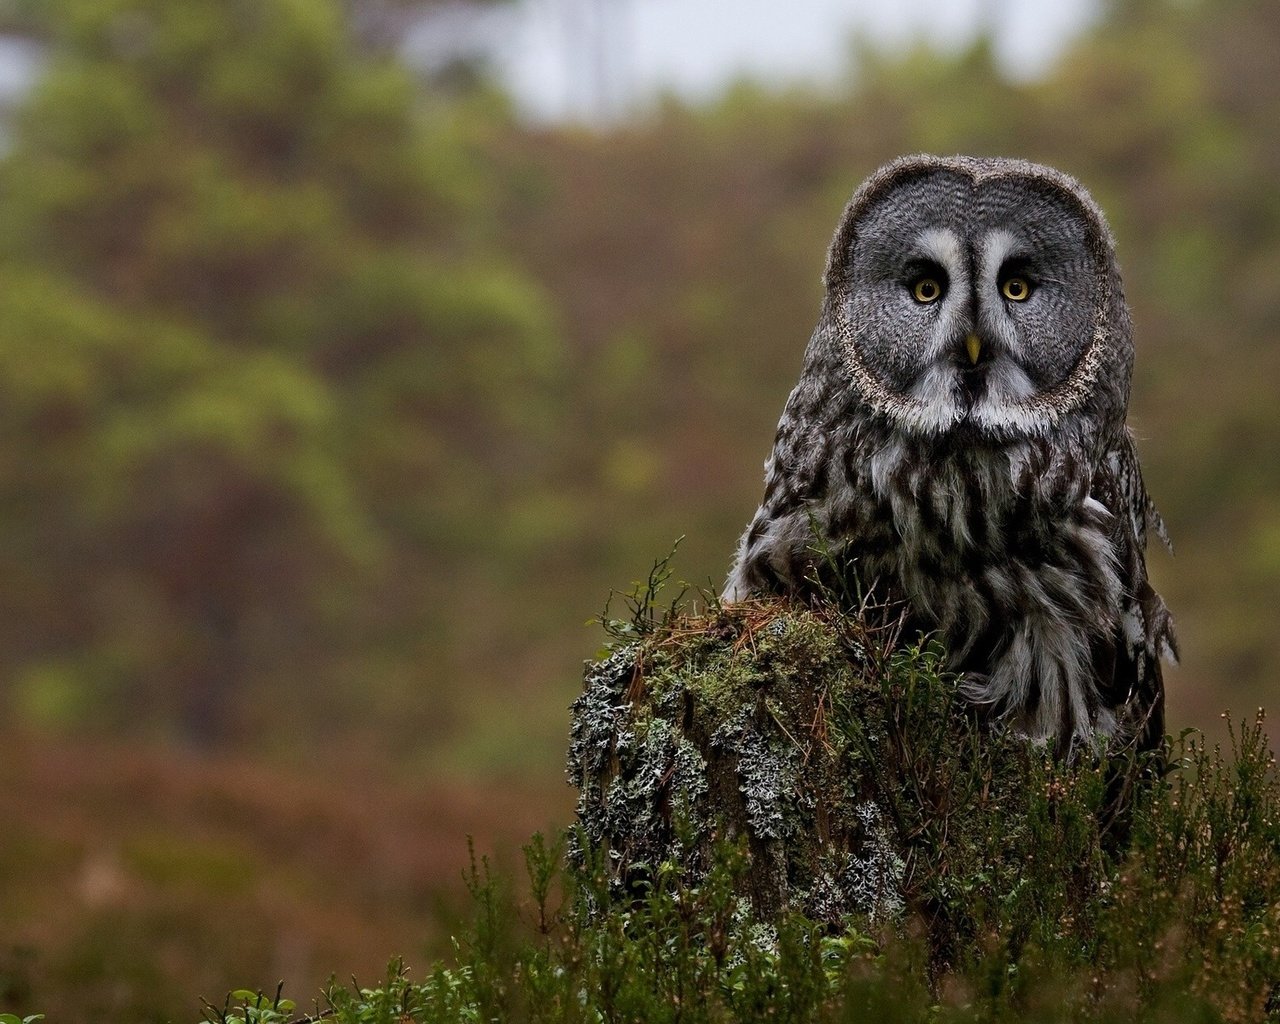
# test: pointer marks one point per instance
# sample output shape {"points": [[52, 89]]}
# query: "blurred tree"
{"points": [[266, 285], [255, 348], [378, 24], [688, 326]]}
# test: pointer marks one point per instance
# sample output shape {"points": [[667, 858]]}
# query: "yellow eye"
{"points": [[1016, 289], [926, 290]]}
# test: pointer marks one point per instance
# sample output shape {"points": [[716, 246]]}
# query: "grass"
{"points": [[1016, 893]]}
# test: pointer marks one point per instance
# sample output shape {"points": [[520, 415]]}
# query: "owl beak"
{"points": [[973, 345]]}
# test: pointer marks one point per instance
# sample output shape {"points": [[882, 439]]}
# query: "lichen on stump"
{"points": [[839, 754]]}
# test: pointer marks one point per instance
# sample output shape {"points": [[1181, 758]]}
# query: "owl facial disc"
{"points": [[969, 302]]}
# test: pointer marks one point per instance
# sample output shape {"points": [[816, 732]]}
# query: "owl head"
{"points": [[977, 295]]}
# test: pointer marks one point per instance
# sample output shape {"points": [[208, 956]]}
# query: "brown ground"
{"points": [[135, 881]]}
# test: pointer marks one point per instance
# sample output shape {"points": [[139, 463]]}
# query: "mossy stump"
{"points": [[841, 759], [718, 727]]}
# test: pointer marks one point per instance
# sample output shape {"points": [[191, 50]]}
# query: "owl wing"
{"points": [[778, 543], [1129, 670]]}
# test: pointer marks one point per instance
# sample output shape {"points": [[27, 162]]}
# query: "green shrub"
{"points": [[1019, 895]]}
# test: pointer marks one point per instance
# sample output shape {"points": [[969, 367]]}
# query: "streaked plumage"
{"points": [[959, 432]]}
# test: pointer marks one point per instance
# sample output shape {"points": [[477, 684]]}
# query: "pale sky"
{"points": [[569, 58], [560, 56]]}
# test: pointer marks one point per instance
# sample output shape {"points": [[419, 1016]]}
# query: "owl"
{"points": [[958, 437]]}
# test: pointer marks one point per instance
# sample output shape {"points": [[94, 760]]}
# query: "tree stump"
{"points": [[746, 724], [845, 762]]}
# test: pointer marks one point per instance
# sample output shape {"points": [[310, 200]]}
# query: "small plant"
{"points": [[245, 1006], [641, 601]]}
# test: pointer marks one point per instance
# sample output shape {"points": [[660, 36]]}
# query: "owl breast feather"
{"points": [[1004, 551]]}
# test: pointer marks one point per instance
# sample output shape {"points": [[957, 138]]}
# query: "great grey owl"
{"points": [[958, 435]]}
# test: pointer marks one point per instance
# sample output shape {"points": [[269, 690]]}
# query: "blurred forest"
{"points": [[335, 399]]}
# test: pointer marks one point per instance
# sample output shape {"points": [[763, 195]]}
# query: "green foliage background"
{"points": [[333, 397], [332, 390]]}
